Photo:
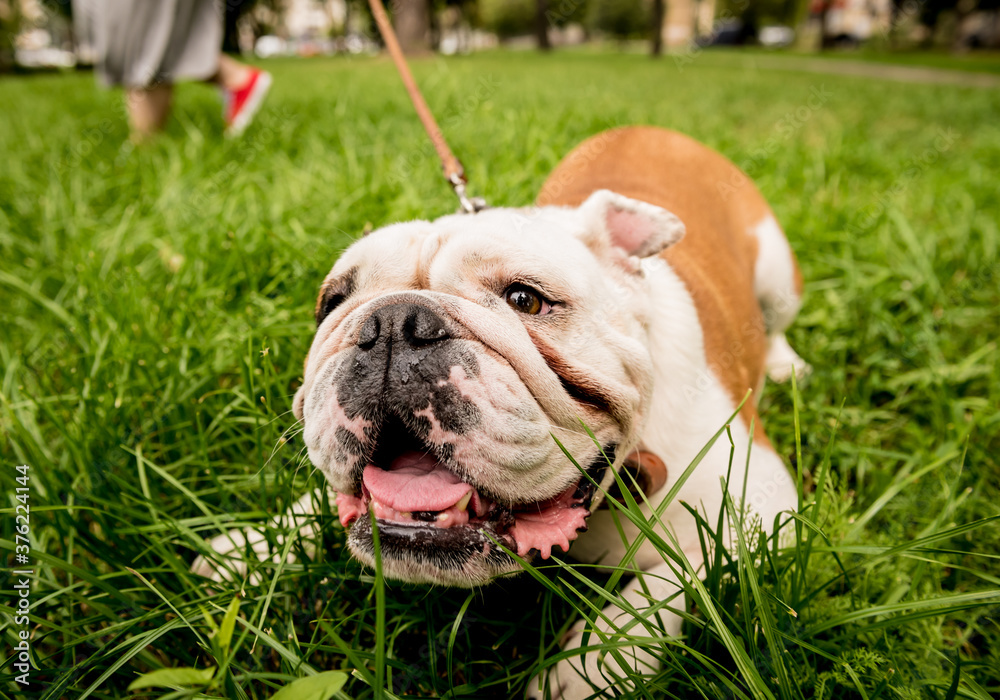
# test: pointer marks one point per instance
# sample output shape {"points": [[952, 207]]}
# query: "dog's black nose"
{"points": [[412, 324], [403, 364]]}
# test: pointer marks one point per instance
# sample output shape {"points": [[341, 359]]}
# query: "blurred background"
{"points": [[156, 304], [45, 34]]}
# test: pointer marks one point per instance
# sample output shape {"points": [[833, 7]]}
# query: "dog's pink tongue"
{"points": [[415, 481]]}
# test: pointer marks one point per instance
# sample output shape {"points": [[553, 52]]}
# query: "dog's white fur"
{"points": [[653, 355], [688, 406]]}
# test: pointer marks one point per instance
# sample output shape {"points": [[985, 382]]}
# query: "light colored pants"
{"points": [[140, 43]]}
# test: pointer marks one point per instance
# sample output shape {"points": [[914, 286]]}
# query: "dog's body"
{"points": [[725, 297], [728, 290], [430, 400]]}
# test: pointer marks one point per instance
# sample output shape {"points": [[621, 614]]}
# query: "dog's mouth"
{"points": [[419, 502]]}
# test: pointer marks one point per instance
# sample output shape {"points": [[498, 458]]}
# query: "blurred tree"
{"points": [[433, 26], [508, 18], [800, 16], [563, 12], [656, 25], [412, 21], [10, 26], [558, 14], [542, 25], [963, 9], [943, 21], [622, 19], [234, 9], [358, 19], [990, 37], [263, 17], [457, 15], [761, 11], [61, 7]]}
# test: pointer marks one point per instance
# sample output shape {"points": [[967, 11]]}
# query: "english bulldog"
{"points": [[643, 297]]}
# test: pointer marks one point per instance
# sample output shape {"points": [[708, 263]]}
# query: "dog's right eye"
{"points": [[526, 300]]}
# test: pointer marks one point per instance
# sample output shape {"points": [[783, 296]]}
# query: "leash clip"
{"points": [[469, 205]]}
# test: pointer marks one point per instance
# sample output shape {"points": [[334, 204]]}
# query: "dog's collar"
{"points": [[648, 471]]}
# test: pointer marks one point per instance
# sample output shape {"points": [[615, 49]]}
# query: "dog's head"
{"points": [[447, 356]]}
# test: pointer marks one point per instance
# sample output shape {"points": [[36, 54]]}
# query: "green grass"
{"points": [[157, 308], [972, 61]]}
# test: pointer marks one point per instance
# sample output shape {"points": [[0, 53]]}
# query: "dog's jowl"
{"points": [[637, 298]]}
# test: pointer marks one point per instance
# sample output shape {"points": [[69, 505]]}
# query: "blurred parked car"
{"points": [[776, 36], [35, 49], [270, 45], [731, 31]]}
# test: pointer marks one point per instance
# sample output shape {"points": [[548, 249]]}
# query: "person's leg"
{"points": [[244, 88], [232, 75], [148, 109]]}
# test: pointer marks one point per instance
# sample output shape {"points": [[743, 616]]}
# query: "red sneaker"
{"points": [[242, 104]]}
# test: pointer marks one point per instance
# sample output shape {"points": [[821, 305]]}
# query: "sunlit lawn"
{"points": [[157, 306]]}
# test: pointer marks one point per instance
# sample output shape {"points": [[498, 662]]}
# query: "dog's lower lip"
{"points": [[408, 483], [533, 527]]}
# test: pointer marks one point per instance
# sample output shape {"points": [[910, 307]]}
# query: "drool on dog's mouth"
{"points": [[416, 497]]}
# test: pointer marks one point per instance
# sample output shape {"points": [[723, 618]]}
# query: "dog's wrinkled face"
{"points": [[448, 355]]}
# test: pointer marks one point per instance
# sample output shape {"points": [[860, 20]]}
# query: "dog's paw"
{"points": [[564, 681], [238, 552], [588, 675], [231, 562], [782, 361]]}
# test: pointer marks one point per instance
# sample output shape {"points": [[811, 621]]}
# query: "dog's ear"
{"points": [[638, 228]]}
